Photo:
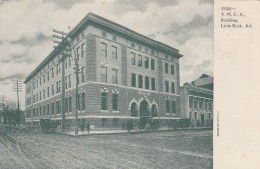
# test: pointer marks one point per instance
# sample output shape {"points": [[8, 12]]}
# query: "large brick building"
{"points": [[123, 75], [197, 101]]}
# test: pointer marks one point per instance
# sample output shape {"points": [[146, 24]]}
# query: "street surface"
{"points": [[22, 149]]}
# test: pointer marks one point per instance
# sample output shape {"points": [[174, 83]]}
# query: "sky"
{"points": [[26, 31]]}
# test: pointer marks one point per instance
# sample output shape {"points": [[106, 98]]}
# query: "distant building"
{"points": [[197, 101], [123, 76]]}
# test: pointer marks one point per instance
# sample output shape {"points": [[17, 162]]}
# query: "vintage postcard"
{"points": [[129, 84]]}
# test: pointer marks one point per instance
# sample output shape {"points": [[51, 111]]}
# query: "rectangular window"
{"points": [[190, 102], [69, 79], [43, 92], [58, 87], [140, 81], [52, 72], [70, 104], [58, 107], [152, 64], [115, 122], [40, 111], [133, 80], [115, 102], [133, 58], [82, 74], [48, 109], [153, 83], [200, 103], [52, 108], [40, 96], [168, 106], [146, 62], [210, 105], [147, 83], [172, 69], [205, 104], [82, 50], [33, 112], [195, 103], [166, 86], [103, 50], [173, 107], [103, 74], [44, 78], [52, 89], [40, 81], [66, 63], [66, 105], [114, 52], [173, 87], [78, 53], [195, 115], [43, 110], [104, 122], [37, 97], [66, 82], [48, 76], [166, 68], [103, 101], [34, 99], [190, 115], [140, 61], [82, 101], [114, 76]]}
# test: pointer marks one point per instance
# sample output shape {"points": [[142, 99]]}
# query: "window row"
{"points": [[114, 74], [104, 51], [196, 116], [104, 101], [167, 87], [143, 82], [149, 63], [55, 107], [200, 103]]}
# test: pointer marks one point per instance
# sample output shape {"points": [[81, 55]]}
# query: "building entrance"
{"points": [[144, 114]]}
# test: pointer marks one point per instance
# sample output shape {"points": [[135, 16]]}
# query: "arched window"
{"points": [[134, 109], [154, 111]]}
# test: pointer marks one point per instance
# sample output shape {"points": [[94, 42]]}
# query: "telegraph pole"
{"points": [[60, 39], [3, 107], [17, 87]]}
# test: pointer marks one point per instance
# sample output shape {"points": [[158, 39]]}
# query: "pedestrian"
{"points": [[88, 127]]}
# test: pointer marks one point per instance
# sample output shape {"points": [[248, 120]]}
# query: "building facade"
{"points": [[123, 75], [197, 101]]}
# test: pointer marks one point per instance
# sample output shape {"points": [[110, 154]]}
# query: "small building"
{"points": [[123, 76], [197, 101]]}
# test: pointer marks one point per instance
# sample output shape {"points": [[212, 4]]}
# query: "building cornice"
{"points": [[95, 19]]}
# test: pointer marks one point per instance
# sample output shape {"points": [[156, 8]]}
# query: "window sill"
{"points": [[167, 114], [114, 111], [104, 111]]}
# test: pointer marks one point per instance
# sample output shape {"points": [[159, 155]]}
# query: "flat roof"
{"points": [[93, 18]]}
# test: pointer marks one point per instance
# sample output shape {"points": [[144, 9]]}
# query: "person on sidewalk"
{"points": [[88, 127]]}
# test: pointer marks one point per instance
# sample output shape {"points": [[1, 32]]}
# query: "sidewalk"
{"points": [[119, 131]]}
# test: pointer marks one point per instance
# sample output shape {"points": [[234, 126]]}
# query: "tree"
{"points": [[11, 115]]}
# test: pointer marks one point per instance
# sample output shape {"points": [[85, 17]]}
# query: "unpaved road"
{"points": [[160, 150]]}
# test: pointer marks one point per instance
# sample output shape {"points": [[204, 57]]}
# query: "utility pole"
{"points": [[3, 107], [61, 39], [17, 87]]}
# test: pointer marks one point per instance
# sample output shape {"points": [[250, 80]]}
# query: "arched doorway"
{"points": [[144, 113], [134, 110]]}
